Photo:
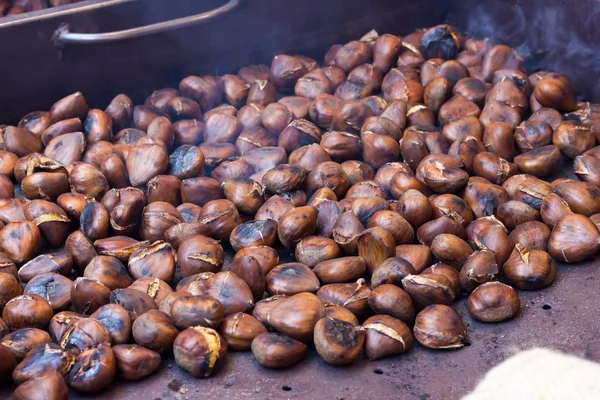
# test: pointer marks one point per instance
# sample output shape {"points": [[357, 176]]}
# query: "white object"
{"points": [[540, 374]]}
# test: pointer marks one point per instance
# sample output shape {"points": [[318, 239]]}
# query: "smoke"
{"points": [[553, 35]]}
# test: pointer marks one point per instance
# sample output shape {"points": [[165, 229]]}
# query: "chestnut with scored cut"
{"points": [[27, 311], [440, 327], [199, 254], [427, 289], [41, 359], [254, 233], [353, 296], [239, 331], [94, 369], [84, 334], [135, 362], [479, 268], [529, 269], [386, 336], [338, 342]]}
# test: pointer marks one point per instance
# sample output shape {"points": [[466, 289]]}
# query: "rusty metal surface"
{"points": [[571, 325]]}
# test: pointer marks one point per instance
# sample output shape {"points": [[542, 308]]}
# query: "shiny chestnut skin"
{"points": [[135, 362], [154, 330], [49, 385], [239, 331], [390, 299], [529, 269], [385, 336], [27, 311], [199, 310], [275, 350], [199, 351], [493, 302], [440, 327]]}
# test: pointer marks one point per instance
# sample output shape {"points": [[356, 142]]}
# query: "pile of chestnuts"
{"points": [[401, 174]]}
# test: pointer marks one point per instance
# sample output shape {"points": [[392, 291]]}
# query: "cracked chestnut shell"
{"points": [[493, 302], [53, 287], [27, 311], [239, 331], [440, 327], [254, 233], [479, 268], [199, 310], [84, 334], [135, 362], [156, 219], [427, 289], [353, 296], [42, 359], [199, 254], [529, 269], [275, 350], [20, 342], [338, 342], [386, 336], [221, 216], [94, 369], [154, 261], [199, 351], [153, 287]]}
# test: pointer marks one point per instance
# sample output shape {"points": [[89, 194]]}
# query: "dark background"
{"points": [[549, 34]]}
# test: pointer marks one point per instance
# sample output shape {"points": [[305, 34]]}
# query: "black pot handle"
{"points": [[64, 37]]}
